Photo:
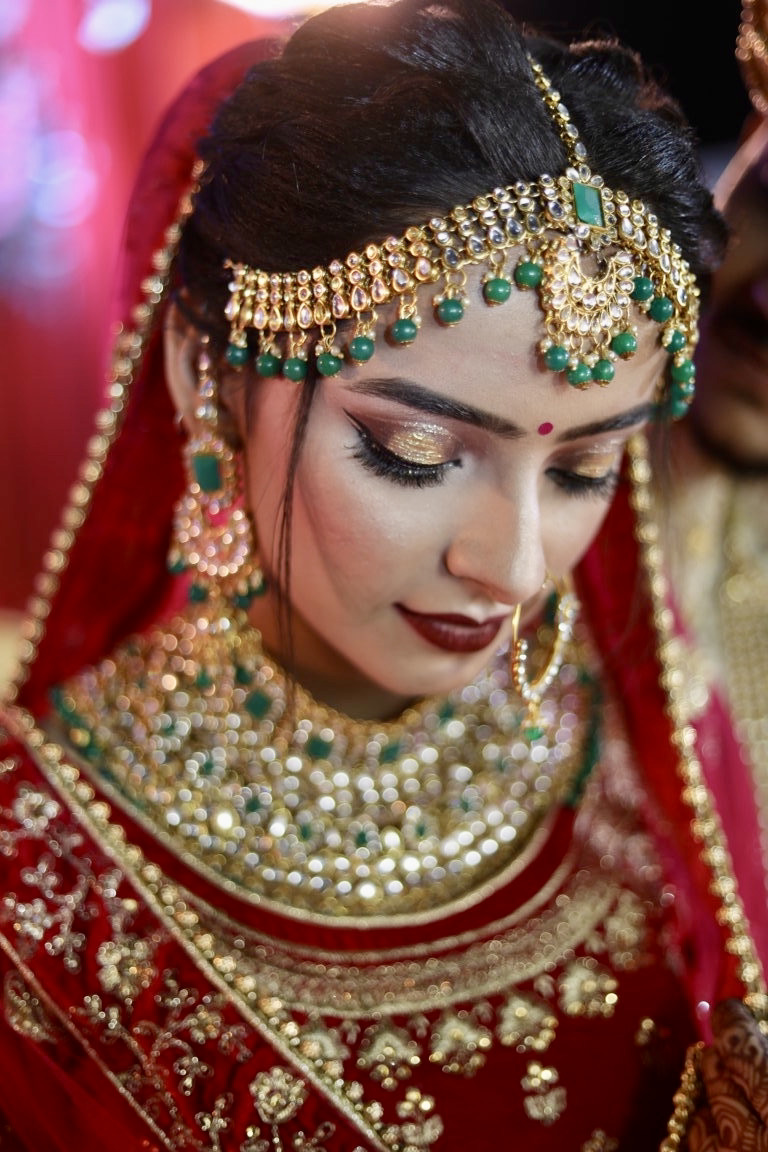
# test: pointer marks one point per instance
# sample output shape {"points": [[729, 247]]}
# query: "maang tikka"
{"points": [[212, 531], [593, 255]]}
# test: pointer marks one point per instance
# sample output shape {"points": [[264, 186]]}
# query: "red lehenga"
{"points": [[153, 1002]]}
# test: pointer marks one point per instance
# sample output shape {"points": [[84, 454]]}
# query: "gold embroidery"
{"points": [[24, 1012], [586, 989], [389, 1054], [547, 1100], [527, 1023], [599, 1142], [125, 966], [459, 1042]]}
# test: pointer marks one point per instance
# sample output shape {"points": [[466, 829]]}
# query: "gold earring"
{"points": [[532, 692], [212, 531]]}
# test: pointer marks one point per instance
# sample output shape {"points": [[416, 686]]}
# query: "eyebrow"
{"points": [[425, 400]]}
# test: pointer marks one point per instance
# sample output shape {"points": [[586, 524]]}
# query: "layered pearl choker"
{"points": [[252, 781]]}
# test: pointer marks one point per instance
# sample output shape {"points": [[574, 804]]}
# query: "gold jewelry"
{"points": [[752, 52], [264, 788], [212, 532], [591, 254], [532, 691]]}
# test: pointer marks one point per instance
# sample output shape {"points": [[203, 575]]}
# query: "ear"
{"points": [[180, 346]]}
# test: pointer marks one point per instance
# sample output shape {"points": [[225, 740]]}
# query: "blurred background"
{"points": [[82, 83]]}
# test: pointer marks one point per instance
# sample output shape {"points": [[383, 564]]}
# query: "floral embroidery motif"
{"points": [[527, 1023], [459, 1042], [599, 1142], [586, 989], [389, 1054], [125, 966], [547, 1100], [24, 1012]]}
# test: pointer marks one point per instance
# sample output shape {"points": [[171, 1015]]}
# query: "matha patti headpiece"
{"points": [[752, 52], [560, 223]]}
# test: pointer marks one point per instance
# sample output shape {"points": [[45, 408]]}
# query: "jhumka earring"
{"points": [[212, 532], [532, 691]]}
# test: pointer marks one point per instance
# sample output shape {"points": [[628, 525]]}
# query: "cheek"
{"points": [[360, 526], [570, 531]]}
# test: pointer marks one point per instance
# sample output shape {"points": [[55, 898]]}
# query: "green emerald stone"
{"points": [[497, 290], [446, 712], [360, 349], [203, 679], [328, 364], [643, 289], [684, 372], [244, 599], [207, 767], [390, 752], [361, 838], [258, 703], [196, 594], [176, 566], [676, 341], [236, 356], [294, 368], [403, 331], [528, 274], [253, 804], [318, 748], [580, 375], [624, 344], [661, 309], [267, 364], [207, 470], [450, 311], [675, 409], [305, 831], [533, 732], [603, 371], [556, 358], [243, 675], [588, 204]]}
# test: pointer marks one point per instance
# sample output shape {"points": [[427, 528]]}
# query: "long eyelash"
{"points": [[381, 462], [602, 487]]}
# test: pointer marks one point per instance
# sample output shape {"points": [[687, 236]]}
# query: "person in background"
{"points": [[717, 521], [348, 799]]}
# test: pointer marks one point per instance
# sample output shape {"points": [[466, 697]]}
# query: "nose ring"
{"points": [[532, 691]]}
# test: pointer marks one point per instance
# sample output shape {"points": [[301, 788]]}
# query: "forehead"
{"points": [[491, 360]]}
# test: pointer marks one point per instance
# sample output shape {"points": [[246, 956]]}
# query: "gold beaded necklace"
{"points": [[270, 792]]}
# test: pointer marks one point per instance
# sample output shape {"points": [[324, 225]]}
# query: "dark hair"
{"points": [[377, 116]]}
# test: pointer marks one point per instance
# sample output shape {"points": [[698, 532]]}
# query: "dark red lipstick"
{"points": [[451, 632]]}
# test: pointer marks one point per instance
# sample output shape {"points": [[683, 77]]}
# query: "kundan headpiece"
{"points": [[561, 224]]}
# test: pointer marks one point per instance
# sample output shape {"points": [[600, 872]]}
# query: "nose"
{"points": [[497, 546]]}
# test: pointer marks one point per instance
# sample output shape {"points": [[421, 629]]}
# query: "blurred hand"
{"points": [[734, 1075]]}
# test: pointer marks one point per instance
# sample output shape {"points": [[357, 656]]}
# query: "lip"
{"points": [[452, 632]]}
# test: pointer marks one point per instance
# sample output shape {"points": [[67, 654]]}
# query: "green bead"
{"points": [[207, 469], [294, 368], [556, 358], [676, 409], [196, 594], [661, 309], [497, 290], [403, 331], [450, 311], [243, 675], [176, 566], [203, 679], [328, 364], [604, 371], [258, 704], [624, 344], [643, 289], [528, 274], [684, 372], [532, 733], [236, 356], [676, 342], [318, 748], [390, 752], [267, 364], [360, 349], [579, 375]]}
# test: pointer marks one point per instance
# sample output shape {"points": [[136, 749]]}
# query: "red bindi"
{"points": [[545, 428]]}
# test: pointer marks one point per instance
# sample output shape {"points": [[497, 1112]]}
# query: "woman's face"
{"points": [[436, 487]]}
